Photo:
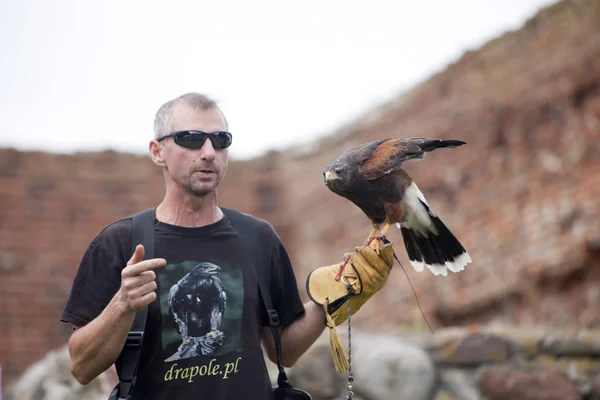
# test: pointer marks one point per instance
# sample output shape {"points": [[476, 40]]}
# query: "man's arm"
{"points": [[97, 345], [297, 337]]}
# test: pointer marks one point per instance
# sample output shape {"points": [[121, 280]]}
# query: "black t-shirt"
{"points": [[202, 337]]}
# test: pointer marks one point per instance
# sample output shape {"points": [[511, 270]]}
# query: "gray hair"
{"points": [[162, 120]]}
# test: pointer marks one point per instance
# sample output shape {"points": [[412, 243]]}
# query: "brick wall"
{"points": [[51, 206], [523, 196]]}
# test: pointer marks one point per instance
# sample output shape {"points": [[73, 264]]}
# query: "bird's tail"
{"points": [[425, 145], [432, 144], [435, 248]]}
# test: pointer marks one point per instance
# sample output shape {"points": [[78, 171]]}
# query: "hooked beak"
{"points": [[329, 176], [212, 270]]}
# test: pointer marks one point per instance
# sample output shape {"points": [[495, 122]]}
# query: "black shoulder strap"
{"points": [[127, 363], [247, 230]]}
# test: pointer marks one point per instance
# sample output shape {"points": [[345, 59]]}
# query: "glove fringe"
{"points": [[340, 358]]}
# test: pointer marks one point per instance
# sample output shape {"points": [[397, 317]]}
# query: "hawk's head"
{"points": [[205, 269], [338, 177]]}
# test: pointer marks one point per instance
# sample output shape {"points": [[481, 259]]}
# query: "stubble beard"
{"points": [[201, 188]]}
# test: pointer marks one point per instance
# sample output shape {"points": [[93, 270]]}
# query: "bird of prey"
{"points": [[370, 175], [197, 302]]}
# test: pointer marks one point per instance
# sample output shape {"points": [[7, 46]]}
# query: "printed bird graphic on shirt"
{"points": [[197, 302]]}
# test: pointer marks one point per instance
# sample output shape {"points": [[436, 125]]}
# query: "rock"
{"points": [[51, 379], [443, 395], [580, 370], [388, 368], [501, 383], [580, 344], [595, 394], [458, 384], [316, 374], [434, 342], [474, 350], [383, 366]]}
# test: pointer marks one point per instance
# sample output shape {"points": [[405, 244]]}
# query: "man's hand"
{"points": [[138, 280], [366, 271], [97, 345]]}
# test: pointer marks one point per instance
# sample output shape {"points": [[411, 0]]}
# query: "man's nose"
{"points": [[207, 151]]}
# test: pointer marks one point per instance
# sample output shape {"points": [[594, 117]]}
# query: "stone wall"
{"points": [[459, 363], [523, 195]]}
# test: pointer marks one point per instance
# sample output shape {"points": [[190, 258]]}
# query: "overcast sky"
{"points": [[89, 75]]}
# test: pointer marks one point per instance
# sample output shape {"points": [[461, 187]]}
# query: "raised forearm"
{"points": [[96, 346]]}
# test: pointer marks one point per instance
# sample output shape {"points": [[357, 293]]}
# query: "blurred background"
{"points": [[519, 81]]}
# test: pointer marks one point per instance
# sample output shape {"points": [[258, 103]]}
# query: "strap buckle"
{"points": [[273, 318], [134, 339], [126, 387]]}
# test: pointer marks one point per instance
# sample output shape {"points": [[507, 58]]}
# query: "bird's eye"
{"points": [[338, 170]]}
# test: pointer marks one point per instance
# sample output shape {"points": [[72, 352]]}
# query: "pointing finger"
{"points": [[138, 255], [142, 266]]}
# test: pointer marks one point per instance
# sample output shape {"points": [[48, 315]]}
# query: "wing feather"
{"points": [[391, 153], [388, 156], [360, 153]]}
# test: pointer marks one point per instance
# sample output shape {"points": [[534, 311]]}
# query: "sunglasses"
{"points": [[195, 139]]}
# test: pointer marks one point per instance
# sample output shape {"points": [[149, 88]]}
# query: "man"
{"points": [[205, 320]]}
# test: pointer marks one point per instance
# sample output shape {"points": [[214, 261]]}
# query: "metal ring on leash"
{"points": [[347, 283]]}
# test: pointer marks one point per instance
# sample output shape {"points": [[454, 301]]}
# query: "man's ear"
{"points": [[156, 153]]}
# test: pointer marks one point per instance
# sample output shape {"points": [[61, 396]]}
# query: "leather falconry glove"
{"points": [[364, 274]]}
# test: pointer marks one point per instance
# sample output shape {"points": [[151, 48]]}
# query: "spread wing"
{"points": [[360, 153], [391, 153], [388, 156]]}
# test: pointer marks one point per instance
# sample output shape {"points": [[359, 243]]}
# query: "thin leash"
{"points": [[415, 293], [349, 392]]}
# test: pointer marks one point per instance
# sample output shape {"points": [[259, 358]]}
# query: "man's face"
{"points": [[198, 171]]}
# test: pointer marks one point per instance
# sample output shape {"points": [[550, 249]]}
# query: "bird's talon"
{"points": [[376, 243]]}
